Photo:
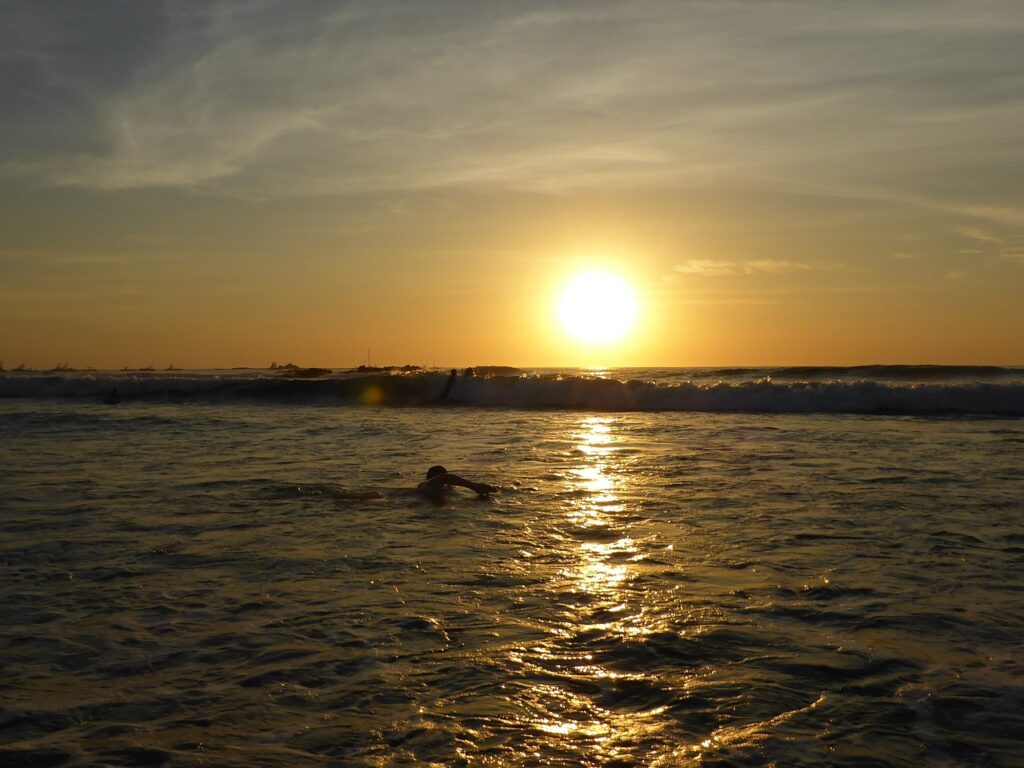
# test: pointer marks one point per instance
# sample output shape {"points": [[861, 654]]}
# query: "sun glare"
{"points": [[597, 308]]}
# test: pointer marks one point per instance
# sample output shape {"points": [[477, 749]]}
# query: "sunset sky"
{"points": [[216, 184]]}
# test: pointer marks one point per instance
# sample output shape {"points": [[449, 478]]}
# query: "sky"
{"points": [[217, 184]]}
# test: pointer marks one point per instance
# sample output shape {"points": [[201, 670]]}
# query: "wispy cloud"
{"points": [[988, 243], [974, 233], [276, 99], [713, 268], [1015, 252]]}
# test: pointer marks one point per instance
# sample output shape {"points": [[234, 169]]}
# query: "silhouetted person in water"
{"points": [[440, 479], [448, 385], [112, 397]]}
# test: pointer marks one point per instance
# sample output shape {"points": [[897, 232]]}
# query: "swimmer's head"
{"points": [[436, 470]]}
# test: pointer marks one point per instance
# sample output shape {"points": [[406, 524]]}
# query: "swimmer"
{"points": [[439, 479]]}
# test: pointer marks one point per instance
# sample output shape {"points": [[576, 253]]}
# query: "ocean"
{"points": [[683, 567]]}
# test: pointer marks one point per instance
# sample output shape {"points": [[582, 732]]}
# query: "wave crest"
{"points": [[554, 391]]}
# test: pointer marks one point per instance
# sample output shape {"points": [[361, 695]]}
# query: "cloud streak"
{"points": [[277, 100], [716, 268]]}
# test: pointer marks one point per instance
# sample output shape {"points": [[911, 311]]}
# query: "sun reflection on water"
{"points": [[600, 610]]}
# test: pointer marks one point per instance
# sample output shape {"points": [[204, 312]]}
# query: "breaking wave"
{"points": [[997, 398]]}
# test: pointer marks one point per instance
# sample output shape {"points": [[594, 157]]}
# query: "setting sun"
{"points": [[597, 308]]}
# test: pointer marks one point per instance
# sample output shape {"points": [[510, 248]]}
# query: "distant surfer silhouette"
{"points": [[448, 385], [469, 373], [439, 480], [112, 398]]}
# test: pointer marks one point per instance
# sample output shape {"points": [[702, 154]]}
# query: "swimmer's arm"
{"points": [[449, 479]]}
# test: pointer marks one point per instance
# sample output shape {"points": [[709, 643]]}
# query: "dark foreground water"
{"points": [[249, 584]]}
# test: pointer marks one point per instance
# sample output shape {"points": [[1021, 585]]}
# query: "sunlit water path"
{"points": [[243, 584]]}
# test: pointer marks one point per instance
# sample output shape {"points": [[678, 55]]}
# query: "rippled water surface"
{"points": [[244, 584]]}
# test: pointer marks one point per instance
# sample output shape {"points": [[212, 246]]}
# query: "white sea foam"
{"points": [[1001, 394]]}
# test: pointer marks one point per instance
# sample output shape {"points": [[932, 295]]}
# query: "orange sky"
{"points": [[797, 183]]}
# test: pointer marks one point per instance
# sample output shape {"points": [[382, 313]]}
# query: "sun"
{"points": [[597, 308]]}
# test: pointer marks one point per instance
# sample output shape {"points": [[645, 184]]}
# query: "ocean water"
{"points": [[797, 567]]}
